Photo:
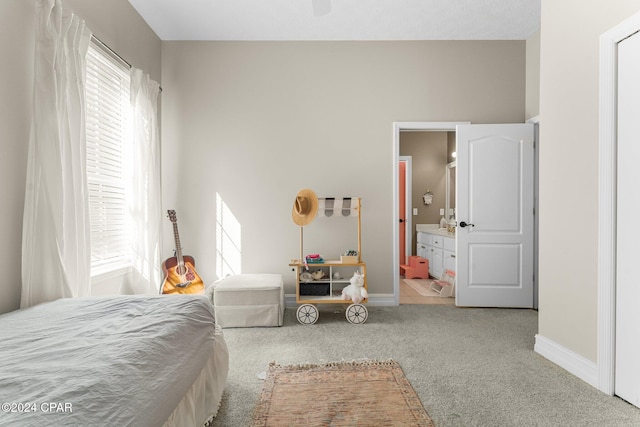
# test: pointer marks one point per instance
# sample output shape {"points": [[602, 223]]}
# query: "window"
{"points": [[108, 127]]}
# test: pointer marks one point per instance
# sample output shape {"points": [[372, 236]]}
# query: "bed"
{"points": [[112, 361]]}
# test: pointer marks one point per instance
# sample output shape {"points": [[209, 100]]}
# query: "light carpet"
{"points": [[471, 367], [421, 286], [363, 393]]}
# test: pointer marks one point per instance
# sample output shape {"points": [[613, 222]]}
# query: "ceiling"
{"points": [[341, 19]]}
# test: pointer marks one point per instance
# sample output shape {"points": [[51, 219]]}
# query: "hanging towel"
{"points": [[346, 206], [329, 206]]}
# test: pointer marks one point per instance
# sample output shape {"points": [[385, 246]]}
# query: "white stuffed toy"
{"points": [[355, 291]]}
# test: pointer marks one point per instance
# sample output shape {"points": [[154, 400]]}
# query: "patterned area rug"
{"points": [[421, 286], [360, 393]]}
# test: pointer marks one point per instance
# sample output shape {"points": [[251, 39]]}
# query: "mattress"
{"points": [[117, 361]]}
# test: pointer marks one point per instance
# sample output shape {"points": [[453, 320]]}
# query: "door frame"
{"points": [[607, 142], [535, 121], [397, 128], [407, 205]]}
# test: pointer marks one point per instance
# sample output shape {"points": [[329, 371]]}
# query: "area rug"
{"points": [[421, 286], [359, 393]]}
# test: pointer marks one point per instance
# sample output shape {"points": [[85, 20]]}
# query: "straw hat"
{"points": [[305, 207]]}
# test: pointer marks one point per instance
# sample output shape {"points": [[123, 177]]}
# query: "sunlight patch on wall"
{"points": [[228, 239]]}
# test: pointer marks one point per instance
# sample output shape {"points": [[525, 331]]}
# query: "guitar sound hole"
{"points": [[181, 270]]}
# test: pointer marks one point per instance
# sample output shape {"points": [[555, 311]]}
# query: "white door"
{"points": [[627, 348], [494, 210]]}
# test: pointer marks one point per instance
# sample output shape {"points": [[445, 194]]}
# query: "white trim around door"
{"points": [[607, 200]]}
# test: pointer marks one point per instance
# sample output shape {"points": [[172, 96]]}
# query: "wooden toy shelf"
{"points": [[333, 286], [328, 289]]}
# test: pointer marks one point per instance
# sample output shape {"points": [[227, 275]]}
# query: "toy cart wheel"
{"points": [[307, 314], [357, 313]]}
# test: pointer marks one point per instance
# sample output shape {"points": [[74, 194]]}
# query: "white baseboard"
{"points": [[579, 366], [386, 300]]}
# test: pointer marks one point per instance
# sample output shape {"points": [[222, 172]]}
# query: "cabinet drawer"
{"points": [[421, 249], [424, 238], [449, 261], [437, 241], [449, 244]]}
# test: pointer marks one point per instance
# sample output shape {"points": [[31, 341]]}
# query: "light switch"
{"points": [[415, 211], [442, 212]]}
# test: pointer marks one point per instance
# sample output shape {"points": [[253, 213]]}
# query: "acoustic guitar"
{"points": [[180, 275]]}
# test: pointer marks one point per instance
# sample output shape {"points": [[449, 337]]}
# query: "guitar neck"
{"points": [[178, 246]]}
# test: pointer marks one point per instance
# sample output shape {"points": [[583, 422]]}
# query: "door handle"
{"points": [[401, 220], [464, 224]]}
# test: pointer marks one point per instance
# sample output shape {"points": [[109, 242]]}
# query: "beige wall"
{"points": [[116, 23], [533, 76], [246, 101], [257, 121], [569, 168]]}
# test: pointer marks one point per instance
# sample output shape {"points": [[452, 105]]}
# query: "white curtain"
{"points": [[56, 252], [145, 201]]}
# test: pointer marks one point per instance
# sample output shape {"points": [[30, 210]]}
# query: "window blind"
{"points": [[108, 127]]}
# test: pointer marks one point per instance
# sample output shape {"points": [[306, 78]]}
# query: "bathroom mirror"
{"points": [[450, 191]]}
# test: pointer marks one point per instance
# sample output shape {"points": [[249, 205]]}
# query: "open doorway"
{"points": [[432, 180], [431, 153]]}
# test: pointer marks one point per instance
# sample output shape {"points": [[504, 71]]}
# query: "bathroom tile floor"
{"points": [[408, 295]]}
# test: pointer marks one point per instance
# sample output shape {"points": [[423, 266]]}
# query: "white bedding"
{"points": [[110, 361]]}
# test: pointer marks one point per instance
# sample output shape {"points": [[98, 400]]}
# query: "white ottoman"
{"points": [[247, 300]]}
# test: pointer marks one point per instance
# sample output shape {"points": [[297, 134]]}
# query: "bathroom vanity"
{"points": [[438, 246]]}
